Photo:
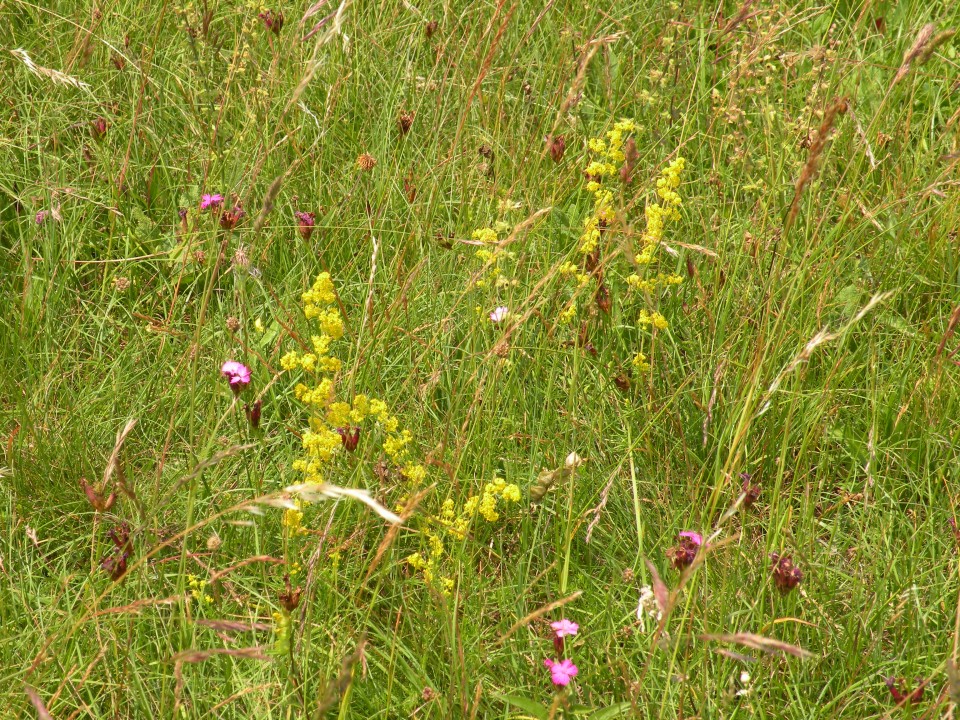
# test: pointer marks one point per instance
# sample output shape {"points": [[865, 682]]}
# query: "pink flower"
{"points": [[562, 671], [237, 373], [499, 314], [40, 216], [564, 627], [695, 537], [208, 201]]}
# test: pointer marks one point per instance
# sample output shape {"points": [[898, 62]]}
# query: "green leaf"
{"points": [[610, 712], [532, 707]]}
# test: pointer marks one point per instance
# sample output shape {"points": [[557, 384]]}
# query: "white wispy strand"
{"points": [[53, 75]]}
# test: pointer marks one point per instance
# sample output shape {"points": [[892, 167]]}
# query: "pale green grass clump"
{"points": [[811, 345]]}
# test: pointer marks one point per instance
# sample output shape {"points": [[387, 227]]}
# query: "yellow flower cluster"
{"points": [[198, 590], [570, 270], [658, 215], [640, 362], [647, 318], [609, 154], [635, 282], [293, 520], [322, 440], [428, 566], [484, 504], [492, 255], [457, 524]]}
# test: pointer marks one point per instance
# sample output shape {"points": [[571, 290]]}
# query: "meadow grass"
{"points": [[811, 345]]}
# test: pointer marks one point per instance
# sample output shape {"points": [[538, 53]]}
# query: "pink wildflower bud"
{"points": [[305, 223]]}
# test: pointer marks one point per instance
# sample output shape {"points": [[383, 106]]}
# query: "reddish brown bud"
{"points": [[430, 28], [405, 121], [305, 223], [751, 492], [630, 157], [786, 575], [409, 188], [351, 436], [603, 298], [558, 146], [96, 499], [253, 413], [98, 127], [230, 218], [272, 20], [290, 597]]}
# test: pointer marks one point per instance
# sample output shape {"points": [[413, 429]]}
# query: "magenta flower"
{"points": [[41, 216], [209, 201], [237, 373], [564, 627], [694, 537], [561, 671]]}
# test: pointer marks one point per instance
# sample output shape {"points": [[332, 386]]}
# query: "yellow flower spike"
{"points": [[290, 361], [511, 493], [597, 145], [338, 414], [485, 235]]}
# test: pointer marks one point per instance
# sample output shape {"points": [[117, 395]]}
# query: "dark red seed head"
{"points": [[786, 575], [351, 437]]}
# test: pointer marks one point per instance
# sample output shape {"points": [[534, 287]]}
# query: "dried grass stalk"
{"points": [[839, 107], [55, 76], [921, 50], [760, 642]]}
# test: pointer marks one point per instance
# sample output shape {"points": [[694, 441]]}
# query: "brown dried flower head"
{"points": [[350, 436], [558, 146], [273, 21], [98, 127], [405, 121], [366, 162], [230, 218], [786, 575], [683, 553], [751, 492], [290, 596], [99, 503]]}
